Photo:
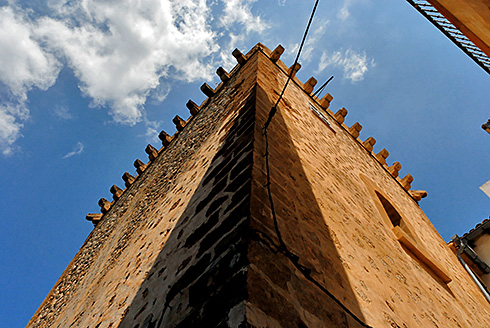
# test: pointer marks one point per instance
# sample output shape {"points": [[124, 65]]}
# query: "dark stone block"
{"points": [[240, 180], [216, 205], [202, 230]]}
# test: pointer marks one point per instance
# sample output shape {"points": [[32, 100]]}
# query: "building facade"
{"points": [[192, 242]]}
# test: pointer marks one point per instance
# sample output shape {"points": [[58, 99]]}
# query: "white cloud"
{"points": [[239, 11], [152, 132], [77, 150], [120, 51], [312, 41], [9, 130], [25, 65], [353, 64], [62, 112], [344, 13]]}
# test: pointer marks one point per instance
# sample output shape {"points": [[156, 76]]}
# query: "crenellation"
{"points": [[325, 103], [192, 243], [140, 166], [179, 123], [340, 114], [294, 69], [355, 129], [165, 138], [192, 107], [116, 192], [207, 90], [128, 179], [406, 182], [310, 85], [382, 155], [394, 168], [223, 75], [240, 58], [105, 205], [152, 152], [276, 54], [369, 144]]}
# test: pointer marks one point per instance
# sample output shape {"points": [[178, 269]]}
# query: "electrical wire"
{"points": [[274, 109], [282, 247], [320, 89]]}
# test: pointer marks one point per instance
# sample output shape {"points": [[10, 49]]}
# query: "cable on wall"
{"points": [[282, 247]]}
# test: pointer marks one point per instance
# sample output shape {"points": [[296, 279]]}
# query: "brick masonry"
{"points": [[191, 243]]}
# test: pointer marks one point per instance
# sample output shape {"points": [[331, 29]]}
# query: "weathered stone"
{"points": [[179, 123], [105, 205], [294, 69], [223, 75], [140, 166], [152, 152], [128, 179], [116, 192], [207, 90], [193, 243], [418, 194], [382, 156], [394, 168], [340, 115], [240, 58], [94, 218], [369, 143], [276, 54], [406, 182], [165, 138], [309, 85], [325, 103], [355, 129]]}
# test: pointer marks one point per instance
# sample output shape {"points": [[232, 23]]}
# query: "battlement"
{"points": [[308, 87], [193, 240]]}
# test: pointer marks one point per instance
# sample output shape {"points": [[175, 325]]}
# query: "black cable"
{"points": [[320, 89], [274, 109], [293, 258]]}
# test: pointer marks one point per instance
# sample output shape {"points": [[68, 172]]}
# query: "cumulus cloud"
{"points": [[77, 150], [9, 130], [25, 65], [353, 64], [239, 11], [237, 21], [120, 51]]}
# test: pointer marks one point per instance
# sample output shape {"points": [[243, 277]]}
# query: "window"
{"points": [[405, 234], [407, 238]]}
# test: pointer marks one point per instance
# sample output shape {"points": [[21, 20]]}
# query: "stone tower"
{"points": [[191, 242]]}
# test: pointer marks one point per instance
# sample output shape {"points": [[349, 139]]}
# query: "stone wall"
{"points": [[192, 242], [325, 186], [169, 209]]}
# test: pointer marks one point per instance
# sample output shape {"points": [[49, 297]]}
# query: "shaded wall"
{"points": [[191, 243]]}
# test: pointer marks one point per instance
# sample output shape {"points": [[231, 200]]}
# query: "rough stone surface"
{"points": [[192, 243]]}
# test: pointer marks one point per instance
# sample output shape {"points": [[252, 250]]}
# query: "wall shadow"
{"points": [[199, 277], [217, 267], [277, 288]]}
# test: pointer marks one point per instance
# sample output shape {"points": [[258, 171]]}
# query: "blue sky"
{"points": [[86, 85]]}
